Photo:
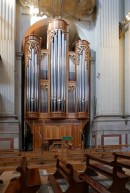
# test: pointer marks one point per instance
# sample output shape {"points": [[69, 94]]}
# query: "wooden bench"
{"points": [[97, 166], [10, 161], [13, 187], [9, 152], [113, 148], [29, 180], [1, 181], [65, 171], [122, 159], [9, 157], [94, 184]]}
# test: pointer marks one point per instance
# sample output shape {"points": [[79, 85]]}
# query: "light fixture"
{"points": [[77, 9], [126, 19], [33, 5], [34, 10], [123, 24]]}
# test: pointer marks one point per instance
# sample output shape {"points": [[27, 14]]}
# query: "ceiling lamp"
{"points": [[123, 25], [77, 9]]}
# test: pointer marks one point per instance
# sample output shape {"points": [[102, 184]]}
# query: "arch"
{"points": [[39, 28]]}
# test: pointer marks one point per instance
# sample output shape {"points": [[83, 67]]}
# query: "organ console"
{"points": [[57, 87]]}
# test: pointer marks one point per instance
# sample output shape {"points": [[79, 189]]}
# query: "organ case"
{"points": [[56, 80]]}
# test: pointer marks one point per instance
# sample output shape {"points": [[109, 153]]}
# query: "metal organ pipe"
{"points": [[82, 53], [57, 30], [59, 71], [32, 76], [55, 66], [52, 75], [86, 86], [29, 86], [35, 83], [83, 81], [63, 73], [32, 61], [55, 71], [80, 83]]}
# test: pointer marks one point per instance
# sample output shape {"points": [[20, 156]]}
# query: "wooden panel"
{"points": [[65, 130], [42, 133], [38, 137], [76, 134], [56, 132], [111, 139], [51, 132], [7, 143]]}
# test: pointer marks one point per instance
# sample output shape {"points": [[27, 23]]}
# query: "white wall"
{"points": [[7, 52], [127, 61]]}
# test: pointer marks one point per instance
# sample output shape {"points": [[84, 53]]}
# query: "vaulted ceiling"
{"points": [[70, 10], [77, 9]]}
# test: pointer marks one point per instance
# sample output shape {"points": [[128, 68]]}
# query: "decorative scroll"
{"points": [[32, 61], [82, 53]]}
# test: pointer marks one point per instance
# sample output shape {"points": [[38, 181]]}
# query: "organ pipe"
{"points": [[61, 88], [44, 65], [32, 62], [58, 48], [82, 54]]}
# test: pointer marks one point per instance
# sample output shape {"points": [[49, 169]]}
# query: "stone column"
{"points": [[9, 126]]}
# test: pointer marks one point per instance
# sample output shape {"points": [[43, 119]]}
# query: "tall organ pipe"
{"points": [[32, 77], [52, 75], [32, 62], [82, 54], [86, 86], [55, 71], [63, 72], [57, 30]]}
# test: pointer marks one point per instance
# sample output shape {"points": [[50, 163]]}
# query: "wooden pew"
{"points": [[8, 152], [122, 159], [113, 148], [1, 181], [94, 184], [107, 168], [9, 157], [65, 171], [29, 178], [28, 182], [106, 151], [13, 187]]}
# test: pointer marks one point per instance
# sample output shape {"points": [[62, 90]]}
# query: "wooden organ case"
{"points": [[57, 88]]}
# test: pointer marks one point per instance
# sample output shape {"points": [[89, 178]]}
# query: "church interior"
{"points": [[64, 96]]}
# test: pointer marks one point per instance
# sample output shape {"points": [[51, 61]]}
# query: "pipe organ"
{"points": [[32, 63], [82, 48], [56, 80], [58, 65]]}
